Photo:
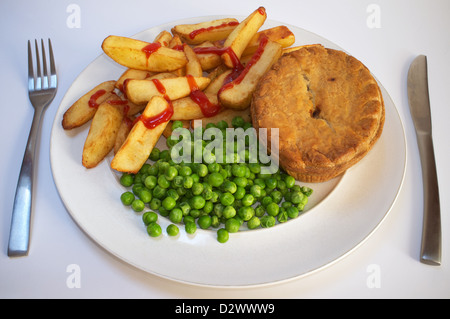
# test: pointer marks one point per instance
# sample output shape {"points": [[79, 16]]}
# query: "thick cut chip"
{"points": [[205, 31], [141, 91], [85, 107], [102, 132], [141, 140], [141, 55]]}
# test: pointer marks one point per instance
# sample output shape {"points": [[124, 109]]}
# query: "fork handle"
{"points": [[19, 237]]}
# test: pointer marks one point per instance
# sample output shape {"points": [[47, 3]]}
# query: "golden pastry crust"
{"points": [[328, 108]]}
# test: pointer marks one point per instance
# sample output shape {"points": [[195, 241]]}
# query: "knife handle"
{"points": [[430, 253]]}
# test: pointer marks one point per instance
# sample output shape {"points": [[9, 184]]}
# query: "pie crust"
{"points": [[328, 107]]}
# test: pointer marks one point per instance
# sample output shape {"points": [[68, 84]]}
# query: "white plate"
{"points": [[341, 214]]}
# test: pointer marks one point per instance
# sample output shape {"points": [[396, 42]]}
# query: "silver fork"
{"points": [[41, 91]]}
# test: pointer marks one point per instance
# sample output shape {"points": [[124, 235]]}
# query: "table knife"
{"points": [[419, 103]]}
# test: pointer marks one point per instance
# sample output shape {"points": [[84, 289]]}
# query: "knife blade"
{"points": [[419, 103]]}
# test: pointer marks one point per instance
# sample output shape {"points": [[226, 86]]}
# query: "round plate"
{"points": [[340, 216]]}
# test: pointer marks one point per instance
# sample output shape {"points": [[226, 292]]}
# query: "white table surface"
{"points": [[406, 29]]}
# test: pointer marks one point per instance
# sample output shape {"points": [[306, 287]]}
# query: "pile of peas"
{"points": [[222, 196]]}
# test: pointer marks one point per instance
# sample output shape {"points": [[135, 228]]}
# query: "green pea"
{"points": [[204, 222], [296, 197], [127, 198], [266, 200], [149, 217], [177, 182], [169, 203], [137, 205], [277, 196], [154, 154], [150, 181], [153, 170], [292, 212], [238, 170], [248, 200], [171, 172], [271, 182], [256, 190], [226, 199], [185, 208], [176, 215], [260, 211], [254, 222], [240, 192], [232, 225], [282, 216], [255, 168], [237, 121], [215, 179], [188, 182], [198, 202], [145, 195], [176, 124], [307, 191], [229, 212], [246, 212], [222, 235], [185, 171], [127, 180], [154, 230], [222, 124], [172, 230], [267, 221], [164, 155], [273, 209], [155, 203], [202, 170], [173, 193], [240, 181], [163, 181], [208, 208], [197, 188], [190, 227], [229, 186]]}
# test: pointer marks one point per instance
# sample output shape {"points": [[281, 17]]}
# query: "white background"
{"points": [[407, 28]]}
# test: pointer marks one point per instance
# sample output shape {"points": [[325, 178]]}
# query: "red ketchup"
{"points": [[93, 99], [150, 49], [194, 33], [208, 109], [153, 121]]}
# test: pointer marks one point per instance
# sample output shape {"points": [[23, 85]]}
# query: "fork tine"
{"points": [[30, 69], [44, 67], [38, 85], [53, 79]]}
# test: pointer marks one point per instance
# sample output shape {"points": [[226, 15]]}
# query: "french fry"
{"points": [[208, 61], [226, 114], [238, 94], [168, 130], [132, 74], [238, 40], [205, 31], [136, 149], [280, 34], [141, 91], [122, 133], [141, 55], [163, 38], [85, 107], [186, 109], [193, 67], [102, 133], [216, 84]]}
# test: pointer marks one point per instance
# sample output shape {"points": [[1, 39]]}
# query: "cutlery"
{"points": [[419, 103], [41, 91]]}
